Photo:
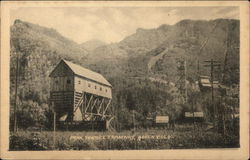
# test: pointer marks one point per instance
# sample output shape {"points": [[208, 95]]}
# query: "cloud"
{"points": [[112, 24]]}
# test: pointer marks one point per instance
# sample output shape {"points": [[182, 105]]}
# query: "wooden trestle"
{"points": [[89, 107]]}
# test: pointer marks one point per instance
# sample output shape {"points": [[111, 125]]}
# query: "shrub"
{"points": [[32, 142]]}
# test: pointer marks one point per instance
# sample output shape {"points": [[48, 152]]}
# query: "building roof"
{"points": [[215, 85], [204, 77], [205, 82], [83, 72]]}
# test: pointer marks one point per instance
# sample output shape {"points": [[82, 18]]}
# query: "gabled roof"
{"points": [[83, 72]]}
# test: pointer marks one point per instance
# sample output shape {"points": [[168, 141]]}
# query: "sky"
{"points": [[112, 24]]}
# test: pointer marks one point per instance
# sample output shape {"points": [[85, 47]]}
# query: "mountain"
{"points": [[104, 53], [196, 42], [34, 35], [145, 39], [157, 51], [109, 60], [38, 49], [146, 53], [92, 44], [142, 68]]}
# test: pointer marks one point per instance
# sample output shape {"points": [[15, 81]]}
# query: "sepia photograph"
{"points": [[124, 77]]}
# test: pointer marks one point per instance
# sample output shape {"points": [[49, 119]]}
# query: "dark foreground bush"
{"points": [[177, 140], [31, 142]]}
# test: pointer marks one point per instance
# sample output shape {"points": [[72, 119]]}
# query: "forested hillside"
{"points": [[92, 44], [142, 68], [191, 40]]}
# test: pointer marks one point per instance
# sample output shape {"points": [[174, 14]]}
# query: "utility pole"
{"points": [[192, 103], [223, 115], [193, 112], [54, 126], [198, 68], [227, 52], [182, 67], [134, 120], [212, 64], [16, 87], [185, 79]]}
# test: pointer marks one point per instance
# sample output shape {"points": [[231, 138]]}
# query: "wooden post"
{"points": [[223, 114], [193, 120], [212, 88], [193, 113], [226, 54], [198, 68], [54, 131], [82, 105], [16, 86], [134, 120], [185, 74], [212, 65], [234, 114]]}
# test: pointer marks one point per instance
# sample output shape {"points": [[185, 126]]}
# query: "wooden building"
{"points": [[205, 84], [193, 117], [79, 94]]}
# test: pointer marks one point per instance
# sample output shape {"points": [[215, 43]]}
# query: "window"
{"points": [[106, 90], [100, 88], [56, 81], [95, 87], [79, 82], [89, 85], [68, 81]]}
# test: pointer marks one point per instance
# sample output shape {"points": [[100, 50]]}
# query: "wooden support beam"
{"points": [[100, 106], [89, 103], [108, 124], [85, 106], [92, 107], [106, 107], [97, 104], [79, 103], [82, 105], [96, 114]]}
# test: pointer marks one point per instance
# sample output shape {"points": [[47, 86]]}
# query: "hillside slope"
{"points": [[32, 35], [142, 68], [92, 44], [193, 40]]}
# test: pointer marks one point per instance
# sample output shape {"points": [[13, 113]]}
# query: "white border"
{"points": [[241, 153]]}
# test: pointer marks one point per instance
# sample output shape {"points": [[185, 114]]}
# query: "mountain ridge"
{"points": [[142, 68], [134, 56], [33, 33], [193, 40], [91, 45]]}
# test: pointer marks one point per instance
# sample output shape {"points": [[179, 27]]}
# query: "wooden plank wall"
{"points": [[85, 85], [63, 101], [62, 83], [62, 78]]}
